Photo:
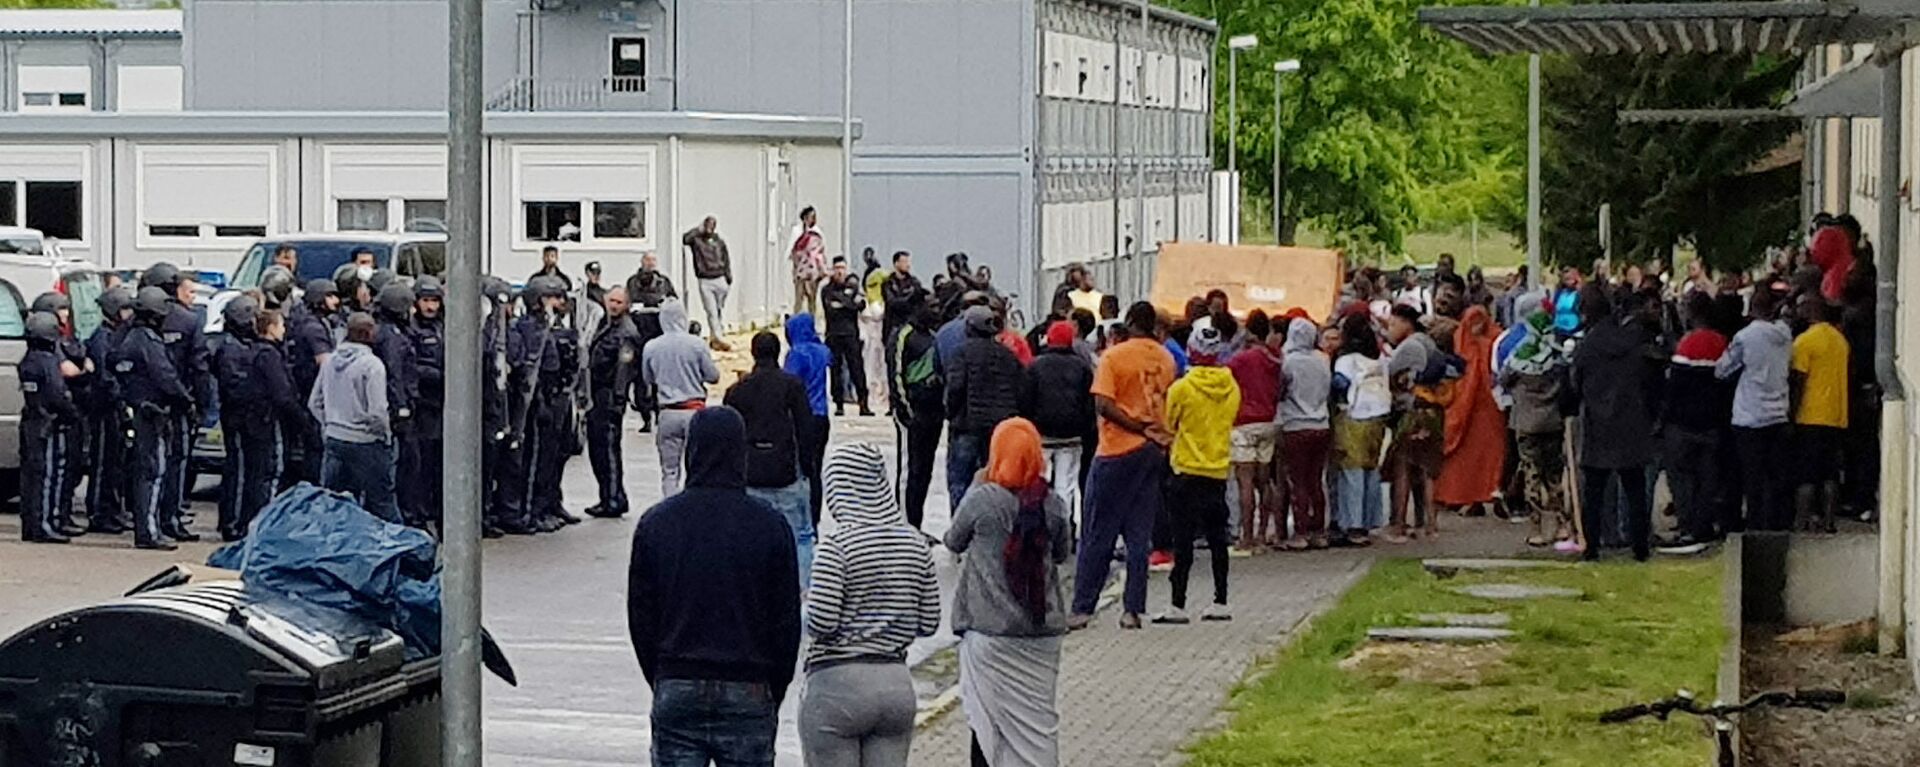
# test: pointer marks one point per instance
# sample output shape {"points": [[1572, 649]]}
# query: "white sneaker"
{"points": [[1216, 612], [1173, 615]]}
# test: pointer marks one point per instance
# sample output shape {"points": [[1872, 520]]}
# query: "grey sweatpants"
{"points": [[713, 296], [670, 436], [857, 715]]}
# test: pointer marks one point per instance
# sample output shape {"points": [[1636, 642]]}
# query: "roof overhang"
{"points": [[1736, 27], [1851, 91], [424, 125]]}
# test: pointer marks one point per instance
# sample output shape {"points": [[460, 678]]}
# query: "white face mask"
{"points": [[365, 273]]}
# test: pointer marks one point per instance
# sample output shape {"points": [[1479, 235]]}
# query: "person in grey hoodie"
{"points": [[873, 594], [1306, 432], [678, 368], [350, 401]]}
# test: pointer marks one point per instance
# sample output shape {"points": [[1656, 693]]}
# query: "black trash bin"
{"points": [[206, 674]]}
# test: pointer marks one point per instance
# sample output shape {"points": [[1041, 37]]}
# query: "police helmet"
{"points": [[346, 280], [151, 303], [43, 326], [162, 275], [115, 300], [318, 289], [395, 300], [240, 315], [51, 301], [428, 286], [546, 287], [380, 279], [277, 283], [497, 290]]}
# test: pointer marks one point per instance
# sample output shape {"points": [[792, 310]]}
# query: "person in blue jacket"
{"points": [[155, 395], [49, 418], [809, 360]]}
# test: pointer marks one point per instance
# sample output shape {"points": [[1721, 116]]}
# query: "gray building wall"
{"points": [[104, 57]]}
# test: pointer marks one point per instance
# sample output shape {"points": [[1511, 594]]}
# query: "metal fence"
{"points": [[527, 94]]}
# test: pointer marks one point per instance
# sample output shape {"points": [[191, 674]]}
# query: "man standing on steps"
{"points": [[713, 267], [678, 368], [844, 300], [613, 360]]}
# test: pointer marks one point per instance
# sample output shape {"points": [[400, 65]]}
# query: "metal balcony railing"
{"points": [[545, 94]]}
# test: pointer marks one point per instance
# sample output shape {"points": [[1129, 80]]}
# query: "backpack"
{"points": [[918, 378]]}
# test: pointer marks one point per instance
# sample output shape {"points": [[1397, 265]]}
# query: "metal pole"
{"points": [[1278, 193], [1139, 157], [460, 574], [846, 138], [1533, 168], [1886, 246], [1233, 116]]}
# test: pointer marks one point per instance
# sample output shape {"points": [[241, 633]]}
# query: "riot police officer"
{"points": [[106, 416], [613, 360], [153, 392], [420, 447], [186, 348], [355, 296], [80, 378], [256, 400], [276, 284], [393, 314], [310, 340], [503, 414], [48, 419], [548, 378]]}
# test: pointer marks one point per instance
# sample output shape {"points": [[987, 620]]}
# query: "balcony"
{"points": [[583, 94]]}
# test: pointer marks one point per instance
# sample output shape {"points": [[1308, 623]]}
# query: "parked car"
{"points": [[13, 348], [82, 281]]}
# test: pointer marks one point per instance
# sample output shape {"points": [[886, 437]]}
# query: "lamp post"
{"points": [[1279, 68], [1235, 45]]}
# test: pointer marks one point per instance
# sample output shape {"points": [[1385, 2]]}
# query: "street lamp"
{"points": [[1279, 68], [1235, 45]]}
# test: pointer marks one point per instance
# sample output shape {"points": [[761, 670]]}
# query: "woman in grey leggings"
{"points": [[873, 594]]}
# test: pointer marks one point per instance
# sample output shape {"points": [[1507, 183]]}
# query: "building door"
{"points": [[781, 216]]}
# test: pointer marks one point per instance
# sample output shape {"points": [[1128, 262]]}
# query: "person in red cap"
{"points": [[1059, 401]]}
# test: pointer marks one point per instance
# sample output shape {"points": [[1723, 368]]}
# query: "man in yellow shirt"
{"points": [[1818, 385], [1200, 410]]}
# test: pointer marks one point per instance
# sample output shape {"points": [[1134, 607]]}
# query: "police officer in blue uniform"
{"points": [[503, 414], [420, 448], [106, 416], [256, 399], [45, 425], [539, 383], [186, 346], [310, 340], [276, 286], [613, 361], [154, 394], [80, 379]]}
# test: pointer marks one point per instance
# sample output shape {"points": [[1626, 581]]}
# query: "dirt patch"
{"points": [[1440, 664], [1879, 727]]}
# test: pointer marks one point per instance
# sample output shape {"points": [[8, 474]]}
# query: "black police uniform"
{"points": [[256, 399], [187, 349], [535, 354], [421, 497], [647, 289], [45, 426], [107, 425], [309, 336], [613, 362], [80, 463], [154, 394], [551, 442], [503, 413]]}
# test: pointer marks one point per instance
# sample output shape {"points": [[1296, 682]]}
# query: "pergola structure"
{"points": [[1871, 87]]}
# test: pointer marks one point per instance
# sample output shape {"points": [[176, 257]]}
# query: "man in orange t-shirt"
{"points": [[1123, 487]]}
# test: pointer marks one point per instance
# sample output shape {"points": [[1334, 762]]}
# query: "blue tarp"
{"points": [[321, 547]]}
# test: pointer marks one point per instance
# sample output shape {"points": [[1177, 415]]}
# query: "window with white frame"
{"points": [[199, 195], [385, 187], [45, 187], [55, 88], [360, 215], [627, 71], [592, 195]]}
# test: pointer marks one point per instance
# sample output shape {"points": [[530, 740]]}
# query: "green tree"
{"points": [[1718, 186], [1384, 126]]}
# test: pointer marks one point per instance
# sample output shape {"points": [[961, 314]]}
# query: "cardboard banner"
{"points": [[1273, 279]]}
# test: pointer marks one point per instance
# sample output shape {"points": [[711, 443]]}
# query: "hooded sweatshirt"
{"points": [[713, 590], [874, 590], [677, 362], [808, 360], [350, 397], [1309, 377], [1200, 410], [1616, 383]]}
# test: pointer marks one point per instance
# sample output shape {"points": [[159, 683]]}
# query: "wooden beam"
{"points": [[1659, 40]]}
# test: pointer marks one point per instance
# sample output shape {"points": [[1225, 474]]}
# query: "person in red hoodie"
{"points": [[1832, 251], [1256, 369]]}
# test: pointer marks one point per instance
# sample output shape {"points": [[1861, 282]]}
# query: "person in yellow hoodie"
{"points": [[1200, 410]]}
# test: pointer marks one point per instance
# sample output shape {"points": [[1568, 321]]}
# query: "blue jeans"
{"points": [[966, 454], [697, 721], [792, 504], [363, 470], [1358, 503], [1123, 497]]}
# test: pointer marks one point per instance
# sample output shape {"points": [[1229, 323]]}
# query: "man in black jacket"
{"points": [[646, 290], [1058, 399], [713, 606], [613, 365], [919, 406], [713, 269], [983, 389], [774, 404], [844, 300], [421, 452]]}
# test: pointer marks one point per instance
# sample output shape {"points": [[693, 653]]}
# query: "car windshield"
{"points": [[318, 258], [13, 315], [22, 244], [83, 290]]}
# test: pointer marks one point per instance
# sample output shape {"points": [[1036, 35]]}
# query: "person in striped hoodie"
{"points": [[873, 594]]}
